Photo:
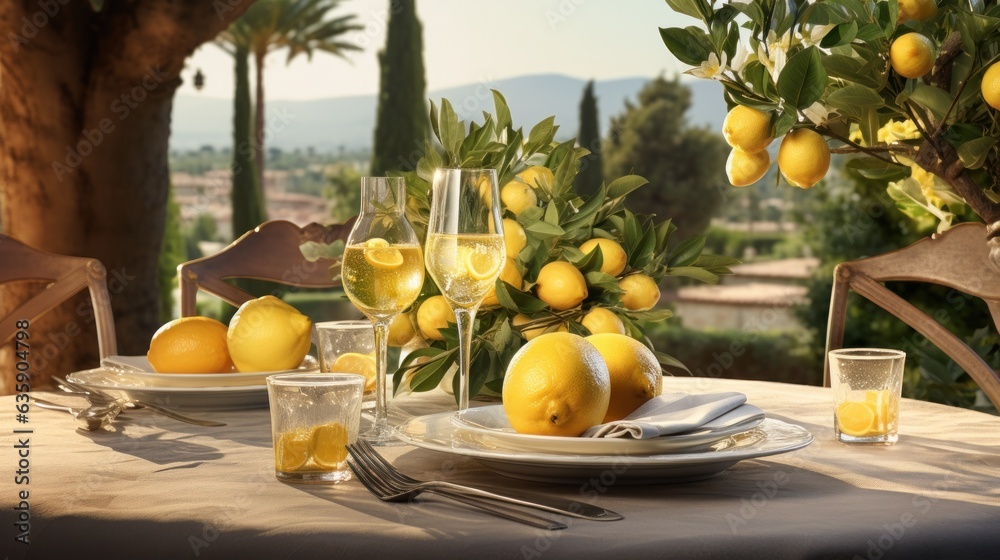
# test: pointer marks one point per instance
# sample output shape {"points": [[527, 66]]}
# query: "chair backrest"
{"points": [[269, 252], [66, 276], [959, 259]]}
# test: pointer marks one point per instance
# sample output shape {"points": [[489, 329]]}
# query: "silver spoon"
{"points": [[94, 417]]}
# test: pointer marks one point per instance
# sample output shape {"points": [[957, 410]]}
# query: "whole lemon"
{"points": [[190, 345], [641, 292], [556, 385], [991, 85], [614, 256], [434, 314], [747, 129], [514, 238], [922, 10], [634, 371], [401, 330], [912, 55], [561, 285], [600, 320], [803, 157], [534, 332], [539, 177], [518, 197], [511, 275], [267, 334], [746, 168]]}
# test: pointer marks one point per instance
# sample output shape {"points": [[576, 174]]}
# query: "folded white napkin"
{"points": [[679, 413]]}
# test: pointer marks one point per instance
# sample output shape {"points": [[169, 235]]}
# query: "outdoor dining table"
{"points": [[151, 487]]}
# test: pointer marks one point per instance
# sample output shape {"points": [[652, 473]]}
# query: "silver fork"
{"points": [[101, 397], [387, 492], [363, 451]]}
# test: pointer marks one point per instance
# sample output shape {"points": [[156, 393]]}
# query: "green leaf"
{"points": [[541, 135], [843, 34], [876, 169], [624, 185], [786, 120], [516, 300], [695, 8], [694, 272], [502, 110], [973, 154], [687, 252], [850, 69], [803, 79], [670, 361], [689, 46], [869, 125], [935, 99], [606, 282], [642, 254], [545, 229], [592, 261], [853, 98]]}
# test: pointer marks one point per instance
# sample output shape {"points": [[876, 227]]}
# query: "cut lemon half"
{"points": [[380, 254], [483, 266], [361, 364], [856, 419], [328, 444], [291, 451]]}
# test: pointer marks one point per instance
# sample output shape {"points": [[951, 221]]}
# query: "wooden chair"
{"points": [[67, 276], [959, 259], [269, 252]]}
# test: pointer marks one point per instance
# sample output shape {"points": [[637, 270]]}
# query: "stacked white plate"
{"points": [[485, 435]]}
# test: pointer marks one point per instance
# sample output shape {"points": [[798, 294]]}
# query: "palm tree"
{"points": [[301, 26]]}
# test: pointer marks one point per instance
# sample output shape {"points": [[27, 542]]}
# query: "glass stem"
{"points": [[465, 318], [381, 349]]}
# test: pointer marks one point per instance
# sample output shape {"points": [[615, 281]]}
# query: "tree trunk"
{"points": [[85, 106], [258, 121]]}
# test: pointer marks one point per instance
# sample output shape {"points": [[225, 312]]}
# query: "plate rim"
{"points": [[158, 389]]}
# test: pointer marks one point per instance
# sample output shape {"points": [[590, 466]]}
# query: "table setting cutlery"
{"points": [[103, 408], [389, 484]]}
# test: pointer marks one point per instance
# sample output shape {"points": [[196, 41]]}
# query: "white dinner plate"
{"points": [[491, 422], [139, 368], [437, 432], [128, 386]]}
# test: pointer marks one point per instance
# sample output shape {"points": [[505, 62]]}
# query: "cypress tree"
{"points": [[591, 167], [401, 121], [247, 199]]}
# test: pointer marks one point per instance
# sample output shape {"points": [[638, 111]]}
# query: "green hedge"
{"points": [[737, 354]]}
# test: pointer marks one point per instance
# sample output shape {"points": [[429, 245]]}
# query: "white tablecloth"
{"points": [[156, 488]]}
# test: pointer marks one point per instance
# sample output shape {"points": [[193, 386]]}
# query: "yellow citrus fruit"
{"points": [[600, 320], [380, 254], [267, 334], [539, 177], [328, 445], [634, 371], [482, 266], [641, 292], [434, 313], [190, 345], [991, 85], [556, 385], [912, 55], [291, 451], [922, 10], [856, 419], [514, 238], [401, 330], [803, 158], [612, 253], [518, 197], [535, 332], [747, 129], [746, 168], [511, 275], [561, 285], [361, 364]]}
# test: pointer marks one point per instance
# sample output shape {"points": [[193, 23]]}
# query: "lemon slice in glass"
{"points": [[879, 401], [328, 444], [361, 364], [482, 266], [856, 419], [291, 451], [380, 254]]}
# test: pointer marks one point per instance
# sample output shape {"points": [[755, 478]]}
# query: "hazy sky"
{"points": [[468, 41]]}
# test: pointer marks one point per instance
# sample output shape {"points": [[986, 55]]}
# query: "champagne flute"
{"points": [[465, 249], [382, 274]]}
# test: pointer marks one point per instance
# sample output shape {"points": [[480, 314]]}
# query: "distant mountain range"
{"points": [[348, 122]]}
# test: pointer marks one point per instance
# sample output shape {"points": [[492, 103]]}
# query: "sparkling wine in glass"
{"points": [[465, 249], [382, 274]]}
